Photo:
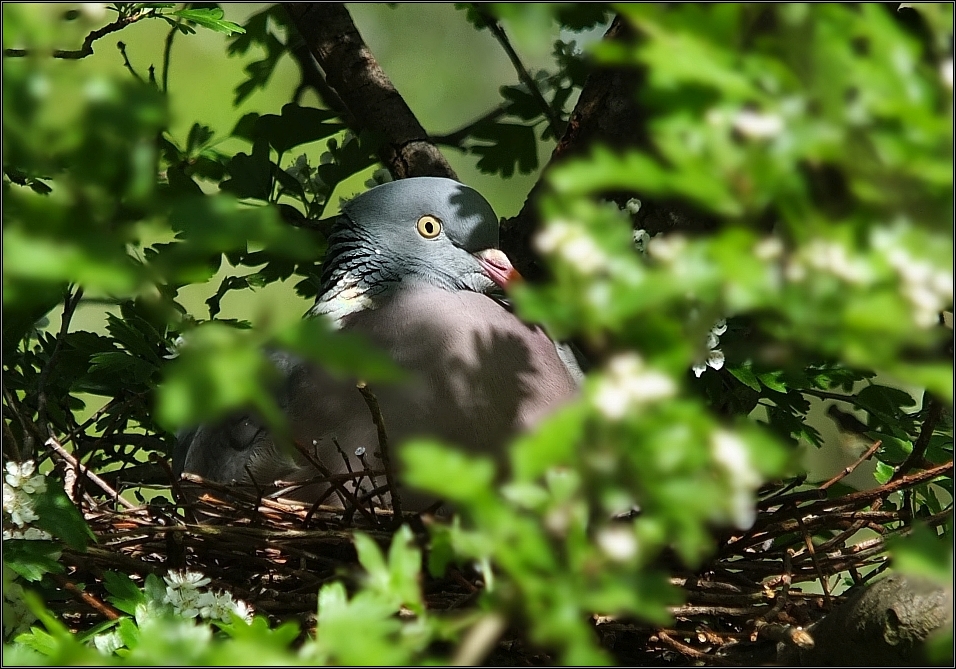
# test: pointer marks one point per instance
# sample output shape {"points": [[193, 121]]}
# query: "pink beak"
{"points": [[497, 266]]}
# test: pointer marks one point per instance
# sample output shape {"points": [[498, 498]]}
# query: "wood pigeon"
{"points": [[410, 266]]}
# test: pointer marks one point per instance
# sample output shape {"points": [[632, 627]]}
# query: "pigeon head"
{"points": [[428, 230]]}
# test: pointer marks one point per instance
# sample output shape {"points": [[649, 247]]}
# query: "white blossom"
{"points": [[573, 244], [29, 534], [832, 257], [769, 248], [184, 591], [617, 542], [16, 616], [715, 357], [108, 642], [641, 239], [94, 11], [243, 610], [174, 347], [731, 454], [19, 505], [929, 290], [21, 476], [946, 73], [628, 384], [666, 247], [632, 206], [755, 125]]}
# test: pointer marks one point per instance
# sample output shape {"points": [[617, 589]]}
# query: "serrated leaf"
{"points": [[746, 376], [514, 147], [32, 559], [123, 592], [296, 126]]}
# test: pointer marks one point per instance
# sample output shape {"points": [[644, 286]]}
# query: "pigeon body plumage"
{"points": [[409, 266]]}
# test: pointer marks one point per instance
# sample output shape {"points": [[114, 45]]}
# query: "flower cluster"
{"points": [[20, 485], [307, 175], [629, 384], [929, 290], [185, 592]]}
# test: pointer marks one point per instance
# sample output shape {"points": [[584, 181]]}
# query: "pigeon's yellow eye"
{"points": [[428, 226]]}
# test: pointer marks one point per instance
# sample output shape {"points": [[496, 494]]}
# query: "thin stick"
{"points": [[379, 421], [78, 466], [816, 565], [689, 651], [90, 600], [128, 65], [849, 470], [167, 49]]}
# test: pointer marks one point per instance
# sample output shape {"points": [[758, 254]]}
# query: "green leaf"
{"points": [[123, 593], [211, 19], [745, 375], [515, 146], [296, 126], [32, 559], [773, 380], [60, 517]]}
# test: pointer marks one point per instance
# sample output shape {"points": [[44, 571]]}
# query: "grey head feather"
{"points": [[375, 244]]}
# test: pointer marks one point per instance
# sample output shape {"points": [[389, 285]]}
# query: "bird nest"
{"points": [[762, 587]]}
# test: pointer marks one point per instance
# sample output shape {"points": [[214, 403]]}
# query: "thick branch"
{"points": [[366, 91]]}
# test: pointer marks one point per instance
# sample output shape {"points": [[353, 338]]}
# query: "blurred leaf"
{"points": [[447, 472], [924, 553]]}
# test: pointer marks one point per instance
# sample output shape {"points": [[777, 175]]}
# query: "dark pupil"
{"points": [[428, 227]]}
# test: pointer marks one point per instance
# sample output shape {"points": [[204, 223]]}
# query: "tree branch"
{"points": [[499, 33], [366, 91], [922, 442], [87, 48]]}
